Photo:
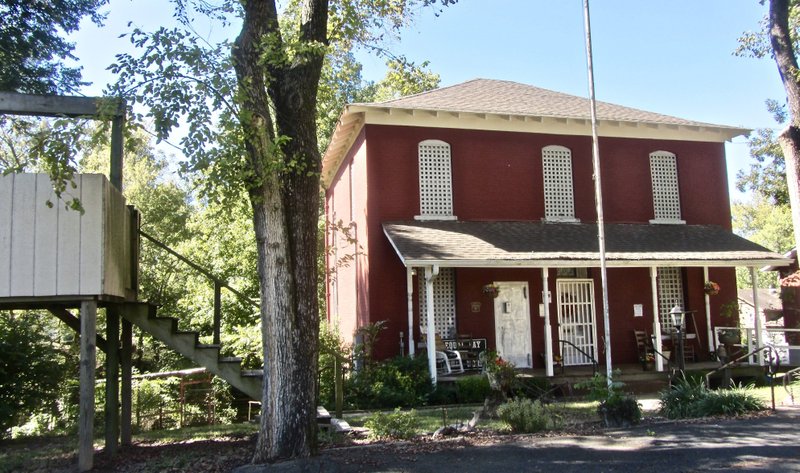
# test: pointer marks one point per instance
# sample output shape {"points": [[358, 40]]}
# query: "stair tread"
{"points": [[230, 359], [203, 346], [253, 373]]}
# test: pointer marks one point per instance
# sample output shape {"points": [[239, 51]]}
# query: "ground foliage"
{"points": [[689, 397]]}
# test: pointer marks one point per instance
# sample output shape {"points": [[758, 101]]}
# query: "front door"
{"points": [[576, 320], [512, 323]]}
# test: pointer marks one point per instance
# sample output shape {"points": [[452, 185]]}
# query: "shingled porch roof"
{"points": [[544, 244]]}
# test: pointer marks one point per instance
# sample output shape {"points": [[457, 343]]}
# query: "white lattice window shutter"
{"points": [[444, 304], [670, 294], [664, 175], [559, 202], [435, 180]]}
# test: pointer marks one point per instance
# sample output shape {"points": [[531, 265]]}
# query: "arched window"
{"points": [[666, 198], [435, 180], [559, 202]]}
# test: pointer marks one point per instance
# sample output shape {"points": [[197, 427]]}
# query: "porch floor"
{"points": [[635, 379]]}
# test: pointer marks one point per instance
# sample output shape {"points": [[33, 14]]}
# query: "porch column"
{"points": [[410, 303], [548, 334], [656, 321], [87, 374], [710, 333], [756, 315], [430, 273]]}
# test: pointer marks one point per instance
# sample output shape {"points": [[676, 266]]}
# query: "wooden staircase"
{"points": [[187, 343]]}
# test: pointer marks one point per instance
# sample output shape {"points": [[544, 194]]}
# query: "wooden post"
{"points": [[115, 172], [338, 382], [127, 373], [217, 311], [112, 380], [86, 411]]}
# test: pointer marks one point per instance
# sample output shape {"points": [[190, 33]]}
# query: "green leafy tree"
{"points": [[32, 46], [30, 367], [766, 223], [251, 112]]}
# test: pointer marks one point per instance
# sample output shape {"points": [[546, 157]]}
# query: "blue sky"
{"points": [[667, 56]]}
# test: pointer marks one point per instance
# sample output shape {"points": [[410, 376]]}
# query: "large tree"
{"points": [[32, 46], [782, 39], [251, 111]]}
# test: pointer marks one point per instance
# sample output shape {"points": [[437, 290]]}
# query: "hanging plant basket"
{"points": [[711, 288], [491, 290]]}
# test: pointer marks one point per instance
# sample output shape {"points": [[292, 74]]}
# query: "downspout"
{"points": [[548, 333], [410, 303], [656, 321], [710, 333], [430, 273]]}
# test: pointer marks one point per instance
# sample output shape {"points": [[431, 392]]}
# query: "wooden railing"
{"points": [[218, 282]]}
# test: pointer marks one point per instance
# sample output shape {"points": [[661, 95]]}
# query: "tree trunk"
{"points": [[284, 193], [789, 140], [781, 41]]}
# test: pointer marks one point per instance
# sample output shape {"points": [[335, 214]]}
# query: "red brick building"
{"points": [[438, 200]]}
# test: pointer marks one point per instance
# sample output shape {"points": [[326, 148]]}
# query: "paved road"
{"points": [[763, 444]]}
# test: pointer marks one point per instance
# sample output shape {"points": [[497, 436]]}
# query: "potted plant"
{"points": [[491, 290], [711, 288], [501, 373], [616, 407]]}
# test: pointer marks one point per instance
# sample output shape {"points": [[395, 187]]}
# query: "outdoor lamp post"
{"points": [[678, 317]]}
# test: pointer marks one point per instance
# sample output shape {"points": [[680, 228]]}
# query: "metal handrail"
{"points": [[594, 362], [219, 283], [772, 366], [787, 378]]}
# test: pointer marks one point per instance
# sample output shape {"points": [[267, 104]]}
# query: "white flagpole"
{"points": [[598, 193]]}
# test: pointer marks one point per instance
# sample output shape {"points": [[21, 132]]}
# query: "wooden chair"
{"points": [[643, 348]]}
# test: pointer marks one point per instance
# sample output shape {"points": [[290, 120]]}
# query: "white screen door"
{"points": [[512, 323], [576, 320]]}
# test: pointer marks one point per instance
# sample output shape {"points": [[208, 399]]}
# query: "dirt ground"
{"points": [[764, 442]]}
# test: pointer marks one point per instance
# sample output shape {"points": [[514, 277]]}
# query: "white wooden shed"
{"points": [[53, 253]]}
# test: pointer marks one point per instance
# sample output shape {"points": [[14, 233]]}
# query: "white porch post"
{"points": [[756, 315], [710, 333], [656, 321], [430, 273], [410, 302], [548, 334]]}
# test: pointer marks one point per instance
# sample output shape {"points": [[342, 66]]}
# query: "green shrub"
{"points": [[690, 398], [472, 389], [396, 425], [616, 408], [398, 382], [524, 415], [682, 398], [620, 410], [731, 402]]}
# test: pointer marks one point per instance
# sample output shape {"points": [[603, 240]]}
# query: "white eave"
{"points": [[356, 116]]}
